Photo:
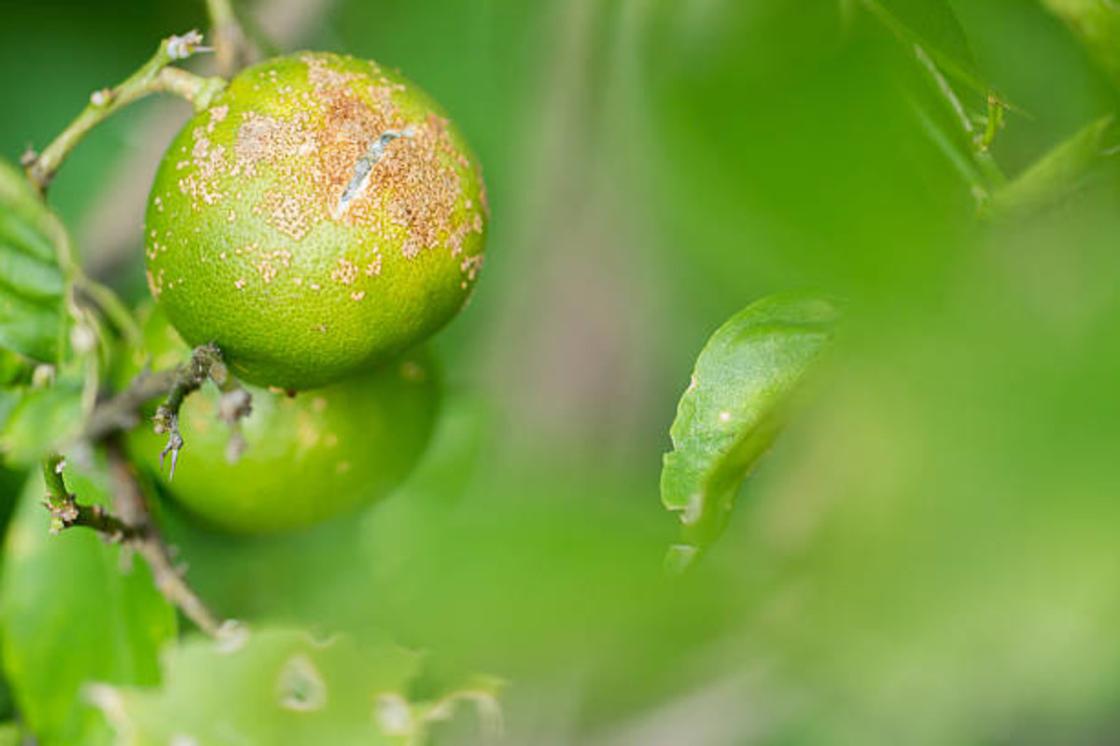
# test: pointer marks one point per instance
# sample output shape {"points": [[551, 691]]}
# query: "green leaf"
{"points": [[74, 613], [734, 408], [281, 685], [10, 735], [1097, 23], [1056, 174], [32, 282], [932, 25], [39, 420]]}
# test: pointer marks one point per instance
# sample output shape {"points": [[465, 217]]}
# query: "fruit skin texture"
{"points": [[308, 457], [321, 215]]}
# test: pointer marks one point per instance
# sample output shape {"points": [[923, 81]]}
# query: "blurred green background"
{"points": [[931, 554]]}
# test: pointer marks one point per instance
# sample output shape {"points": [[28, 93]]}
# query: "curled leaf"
{"points": [[734, 408], [1057, 173]]}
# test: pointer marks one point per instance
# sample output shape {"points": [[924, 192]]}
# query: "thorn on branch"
{"points": [[236, 403], [168, 422]]}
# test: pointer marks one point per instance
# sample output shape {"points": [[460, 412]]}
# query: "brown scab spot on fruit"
{"points": [[300, 686], [352, 137], [321, 74], [483, 196], [290, 212], [470, 266], [345, 273], [358, 295], [265, 139], [155, 283], [217, 115], [374, 268], [413, 371], [209, 162], [307, 431], [239, 283], [359, 180], [266, 270], [418, 188]]}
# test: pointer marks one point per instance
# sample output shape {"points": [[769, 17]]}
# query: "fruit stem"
{"points": [[154, 76]]}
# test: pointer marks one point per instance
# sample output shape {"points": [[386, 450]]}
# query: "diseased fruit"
{"points": [[320, 216], [308, 457]]}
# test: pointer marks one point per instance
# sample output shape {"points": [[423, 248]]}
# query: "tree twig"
{"points": [[124, 411], [132, 527], [66, 512], [149, 544], [205, 362], [154, 76], [231, 45]]}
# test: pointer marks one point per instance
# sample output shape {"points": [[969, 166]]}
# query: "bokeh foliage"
{"points": [[927, 556]]}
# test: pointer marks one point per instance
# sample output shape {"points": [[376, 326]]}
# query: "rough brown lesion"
{"points": [[411, 192], [290, 211]]}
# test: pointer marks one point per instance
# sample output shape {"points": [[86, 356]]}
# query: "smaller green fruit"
{"points": [[308, 457]]}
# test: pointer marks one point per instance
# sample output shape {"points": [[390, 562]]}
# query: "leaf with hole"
{"points": [[282, 685], [734, 408]]}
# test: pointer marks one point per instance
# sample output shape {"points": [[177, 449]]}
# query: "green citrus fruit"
{"points": [[307, 457], [321, 215]]}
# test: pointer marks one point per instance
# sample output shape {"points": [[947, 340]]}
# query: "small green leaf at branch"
{"points": [[734, 408]]}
